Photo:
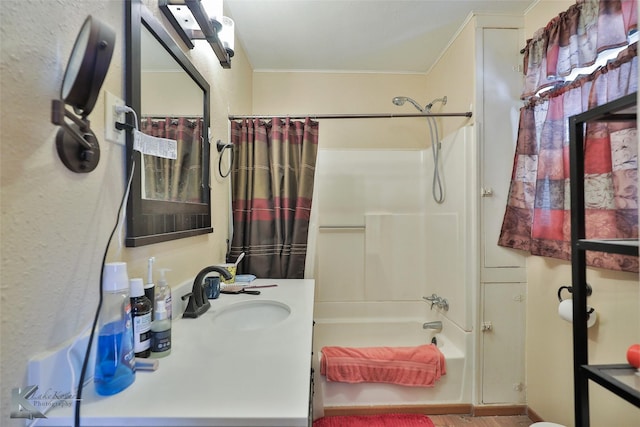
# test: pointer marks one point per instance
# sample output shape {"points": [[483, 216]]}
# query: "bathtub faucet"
{"points": [[438, 301], [437, 325]]}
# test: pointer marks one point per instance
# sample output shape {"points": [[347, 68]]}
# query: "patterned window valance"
{"points": [[574, 39]]}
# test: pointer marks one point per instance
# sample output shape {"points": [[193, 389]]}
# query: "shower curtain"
{"points": [[178, 180], [272, 187], [537, 217]]}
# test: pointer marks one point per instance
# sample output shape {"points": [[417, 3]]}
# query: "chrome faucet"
{"points": [[198, 302], [433, 299], [437, 325], [438, 301]]}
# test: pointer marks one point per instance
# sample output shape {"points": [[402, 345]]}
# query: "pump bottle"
{"points": [[163, 293], [160, 332]]}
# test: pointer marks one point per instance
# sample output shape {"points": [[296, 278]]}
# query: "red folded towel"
{"points": [[418, 366]]}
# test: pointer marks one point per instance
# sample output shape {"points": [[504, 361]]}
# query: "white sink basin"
{"points": [[250, 315]]}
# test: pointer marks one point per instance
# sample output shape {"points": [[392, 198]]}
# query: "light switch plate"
{"points": [[112, 134]]}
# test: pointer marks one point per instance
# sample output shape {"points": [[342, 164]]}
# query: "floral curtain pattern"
{"points": [[574, 39], [537, 218], [177, 180], [272, 186]]}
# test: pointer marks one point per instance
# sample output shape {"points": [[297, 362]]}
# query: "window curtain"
{"points": [[574, 39], [178, 180], [272, 187], [537, 217]]}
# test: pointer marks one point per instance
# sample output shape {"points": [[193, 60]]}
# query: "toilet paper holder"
{"points": [[570, 290]]}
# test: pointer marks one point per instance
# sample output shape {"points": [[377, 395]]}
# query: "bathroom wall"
{"points": [[350, 93], [55, 223], [549, 349]]}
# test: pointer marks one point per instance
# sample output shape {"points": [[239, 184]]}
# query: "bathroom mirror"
{"points": [[169, 198]]}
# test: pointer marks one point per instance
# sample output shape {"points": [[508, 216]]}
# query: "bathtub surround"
{"points": [[375, 222], [374, 217]]}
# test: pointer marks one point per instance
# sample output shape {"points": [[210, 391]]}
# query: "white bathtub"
{"points": [[452, 388]]}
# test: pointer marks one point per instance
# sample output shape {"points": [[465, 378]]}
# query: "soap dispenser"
{"points": [[160, 332], [115, 362], [163, 293]]}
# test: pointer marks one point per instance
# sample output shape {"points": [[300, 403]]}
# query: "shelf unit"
{"points": [[620, 379]]}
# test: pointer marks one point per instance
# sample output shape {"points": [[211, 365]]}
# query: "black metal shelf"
{"points": [[614, 246], [621, 380]]}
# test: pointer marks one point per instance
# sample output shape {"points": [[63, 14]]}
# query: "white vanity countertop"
{"points": [[237, 378]]}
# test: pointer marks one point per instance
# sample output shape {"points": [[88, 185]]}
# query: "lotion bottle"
{"points": [[160, 332], [115, 364]]}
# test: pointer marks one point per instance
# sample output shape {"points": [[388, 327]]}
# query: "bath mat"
{"points": [[383, 420]]}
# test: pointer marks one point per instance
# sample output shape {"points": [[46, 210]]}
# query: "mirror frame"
{"points": [[153, 221]]}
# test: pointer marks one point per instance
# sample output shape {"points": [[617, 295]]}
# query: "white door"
{"points": [[502, 85], [503, 340]]}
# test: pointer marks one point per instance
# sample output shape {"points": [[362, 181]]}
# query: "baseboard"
{"points": [[534, 416], [499, 410], [445, 409]]}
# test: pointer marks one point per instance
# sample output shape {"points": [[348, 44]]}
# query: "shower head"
{"points": [[429, 105], [400, 100]]}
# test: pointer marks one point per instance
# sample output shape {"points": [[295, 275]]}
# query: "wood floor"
{"points": [[469, 421]]}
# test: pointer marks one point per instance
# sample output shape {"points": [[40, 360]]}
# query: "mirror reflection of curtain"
{"points": [[272, 187], [178, 180]]}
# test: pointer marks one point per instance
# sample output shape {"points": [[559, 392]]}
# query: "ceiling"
{"points": [[405, 36]]}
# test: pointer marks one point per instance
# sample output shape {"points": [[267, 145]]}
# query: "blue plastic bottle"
{"points": [[115, 362]]}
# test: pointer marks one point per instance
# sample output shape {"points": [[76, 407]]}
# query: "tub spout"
{"points": [[437, 325]]}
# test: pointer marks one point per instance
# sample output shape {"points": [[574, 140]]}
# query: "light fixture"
{"points": [[88, 64], [226, 35], [191, 21]]}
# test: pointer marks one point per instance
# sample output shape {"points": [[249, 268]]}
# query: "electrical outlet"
{"points": [[112, 134]]}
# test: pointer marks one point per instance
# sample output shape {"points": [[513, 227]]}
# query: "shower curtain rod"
{"points": [[352, 116]]}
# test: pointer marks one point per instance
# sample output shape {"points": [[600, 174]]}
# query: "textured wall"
{"points": [[55, 223]]}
